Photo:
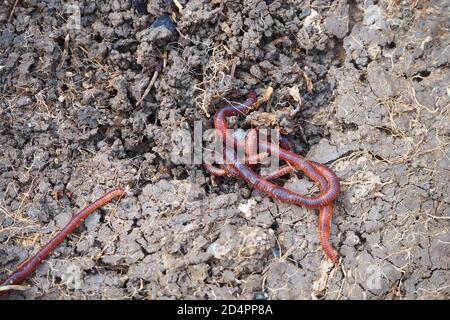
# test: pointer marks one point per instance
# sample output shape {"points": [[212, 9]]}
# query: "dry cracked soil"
{"points": [[361, 86]]}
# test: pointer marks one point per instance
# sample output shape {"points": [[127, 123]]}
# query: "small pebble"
{"points": [[164, 21], [260, 296]]}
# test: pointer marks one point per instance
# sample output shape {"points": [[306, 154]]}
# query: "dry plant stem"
{"points": [[30, 265], [12, 11], [152, 81], [326, 212], [178, 4]]}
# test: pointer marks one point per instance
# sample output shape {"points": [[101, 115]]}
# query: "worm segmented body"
{"points": [[30, 265], [326, 179]]}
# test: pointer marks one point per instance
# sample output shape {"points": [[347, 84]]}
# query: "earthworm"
{"points": [[214, 170], [324, 227], [326, 178], [286, 144], [30, 265], [315, 172], [325, 213], [312, 169], [331, 188], [232, 109], [282, 194], [281, 171]]}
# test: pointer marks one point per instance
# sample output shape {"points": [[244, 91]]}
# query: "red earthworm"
{"points": [[214, 170], [327, 179], [332, 188], [232, 109], [324, 215], [260, 183], [324, 228], [281, 171], [325, 211], [282, 194], [208, 158], [324, 231], [29, 266], [286, 144]]}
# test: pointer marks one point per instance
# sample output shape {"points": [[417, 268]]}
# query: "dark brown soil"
{"points": [[72, 128]]}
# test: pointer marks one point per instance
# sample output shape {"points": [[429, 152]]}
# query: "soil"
{"points": [[373, 80]]}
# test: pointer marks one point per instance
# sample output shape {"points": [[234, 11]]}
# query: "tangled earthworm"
{"points": [[29, 266], [328, 181]]}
